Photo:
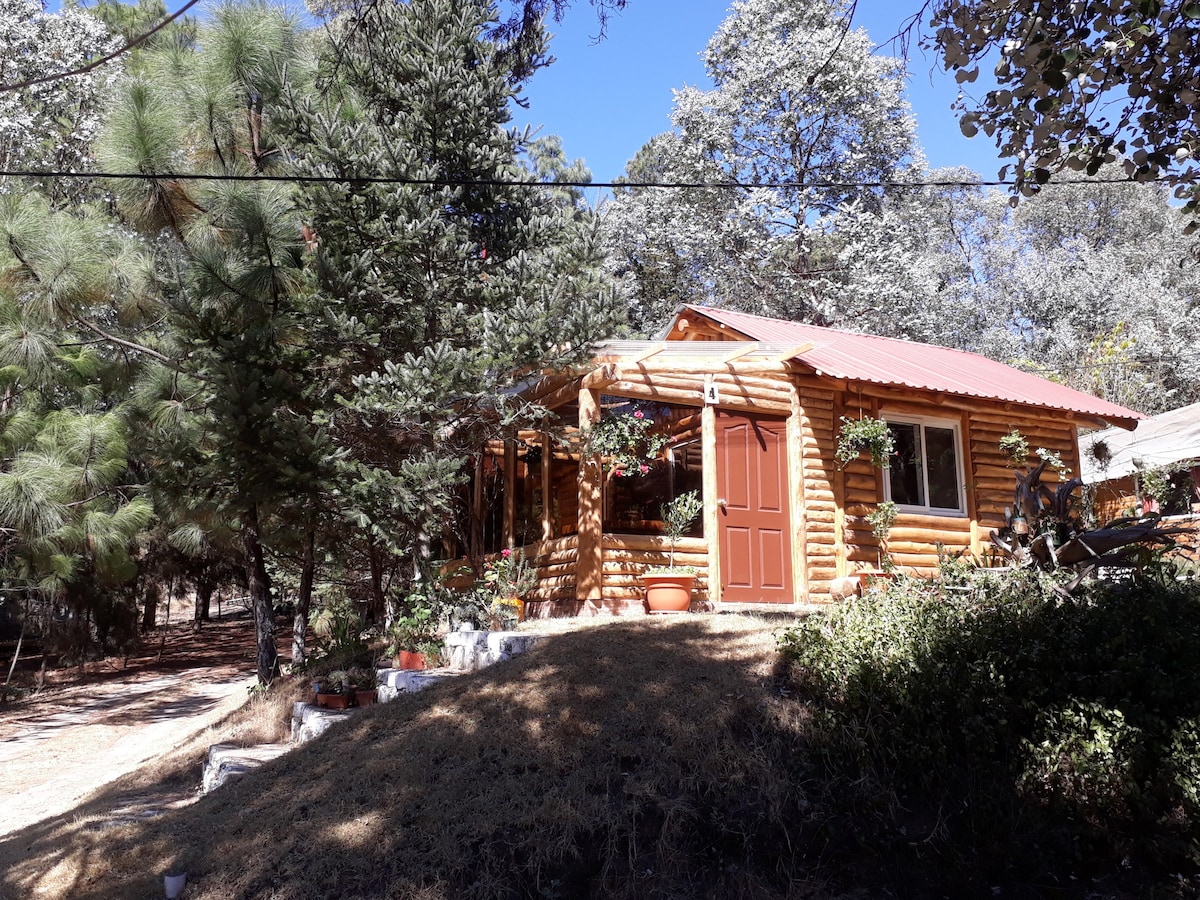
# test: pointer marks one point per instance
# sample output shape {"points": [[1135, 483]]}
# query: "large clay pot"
{"points": [[364, 698], [668, 593], [409, 659]]}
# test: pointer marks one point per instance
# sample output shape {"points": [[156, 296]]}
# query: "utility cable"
{"points": [[519, 182]]}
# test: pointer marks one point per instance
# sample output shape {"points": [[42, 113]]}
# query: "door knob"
{"points": [[722, 504]]}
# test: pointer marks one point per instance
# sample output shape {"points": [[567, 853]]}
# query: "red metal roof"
{"points": [[889, 361]]}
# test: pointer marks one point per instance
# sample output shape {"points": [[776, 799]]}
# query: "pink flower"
{"points": [[618, 473], [506, 553], [645, 468], [639, 414]]}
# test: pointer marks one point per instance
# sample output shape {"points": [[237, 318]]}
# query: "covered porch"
{"points": [[733, 420]]}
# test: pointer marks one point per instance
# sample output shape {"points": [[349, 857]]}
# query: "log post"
{"points": [[838, 483], [711, 493], [590, 574], [795, 464], [510, 492], [547, 498]]}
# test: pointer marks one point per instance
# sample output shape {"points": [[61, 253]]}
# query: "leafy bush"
{"points": [[1051, 718]]}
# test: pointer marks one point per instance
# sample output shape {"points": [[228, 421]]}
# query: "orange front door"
{"points": [[755, 532]]}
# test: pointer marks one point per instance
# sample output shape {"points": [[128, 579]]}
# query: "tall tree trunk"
{"points": [[304, 598], [150, 607], [201, 612], [260, 597], [375, 557]]}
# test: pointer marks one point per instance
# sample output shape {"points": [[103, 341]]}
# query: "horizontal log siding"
{"points": [[626, 556], [556, 563], [818, 442], [990, 474]]}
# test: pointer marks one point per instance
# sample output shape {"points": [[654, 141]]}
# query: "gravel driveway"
{"points": [[59, 748]]}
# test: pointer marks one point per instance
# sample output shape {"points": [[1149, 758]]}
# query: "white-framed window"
{"points": [[925, 474]]}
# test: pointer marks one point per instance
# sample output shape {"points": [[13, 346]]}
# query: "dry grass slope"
{"points": [[642, 758]]}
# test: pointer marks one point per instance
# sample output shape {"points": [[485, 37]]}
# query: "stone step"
{"points": [[228, 761], [469, 651]]}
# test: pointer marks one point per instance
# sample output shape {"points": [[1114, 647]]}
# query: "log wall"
{"points": [[818, 440], [832, 530], [556, 563], [627, 556]]}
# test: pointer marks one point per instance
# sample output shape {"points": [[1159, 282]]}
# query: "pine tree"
{"points": [[436, 291], [231, 423]]}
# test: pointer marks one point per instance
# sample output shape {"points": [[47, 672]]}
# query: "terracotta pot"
{"points": [[409, 659], [668, 593], [865, 579], [333, 701], [364, 698]]}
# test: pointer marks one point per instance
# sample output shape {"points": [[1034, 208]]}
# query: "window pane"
{"points": [[940, 450], [904, 474]]}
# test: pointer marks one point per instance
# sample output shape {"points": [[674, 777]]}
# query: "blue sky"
{"points": [[606, 99]]}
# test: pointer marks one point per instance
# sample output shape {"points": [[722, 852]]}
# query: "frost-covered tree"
{"points": [[1092, 284], [51, 126], [1102, 288], [799, 103], [912, 265]]}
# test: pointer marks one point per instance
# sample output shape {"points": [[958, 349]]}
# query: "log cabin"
{"points": [[753, 408]]}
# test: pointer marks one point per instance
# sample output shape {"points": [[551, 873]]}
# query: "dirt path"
{"points": [[57, 748]]}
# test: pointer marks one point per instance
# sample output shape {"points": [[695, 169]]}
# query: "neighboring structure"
{"points": [[753, 406], [1161, 450]]}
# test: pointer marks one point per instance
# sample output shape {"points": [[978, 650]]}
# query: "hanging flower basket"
{"points": [[626, 442], [866, 435]]}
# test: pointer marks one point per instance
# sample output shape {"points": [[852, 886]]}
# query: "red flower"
{"points": [[506, 553], [639, 414], [618, 473]]}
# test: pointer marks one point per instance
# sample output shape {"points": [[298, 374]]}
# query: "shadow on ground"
{"points": [[630, 760]]}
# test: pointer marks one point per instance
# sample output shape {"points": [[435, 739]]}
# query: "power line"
{"points": [[520, 182], [95, 64]]}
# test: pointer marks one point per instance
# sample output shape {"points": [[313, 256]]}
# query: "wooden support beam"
{"points": [[510, 492], [738, 352], [561, 396], [647, 353], [590, 574], [798, 350], [838, 484], [709, 491], [601, 377], [476, 541], [547, 500], [795, 467]]}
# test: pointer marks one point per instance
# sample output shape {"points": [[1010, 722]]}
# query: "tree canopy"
{"points": [[1079, 84], [799, 105]]}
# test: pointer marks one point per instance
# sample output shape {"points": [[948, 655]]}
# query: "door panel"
{"points": [[756, 558]]}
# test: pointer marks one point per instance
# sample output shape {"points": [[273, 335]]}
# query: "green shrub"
{"points": [[1057, 721]]}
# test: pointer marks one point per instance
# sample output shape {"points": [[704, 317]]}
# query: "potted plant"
{"points": [[333, 690], [669, 587], [408, 635], [508, 578], [864, 435], [362, 683]]}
